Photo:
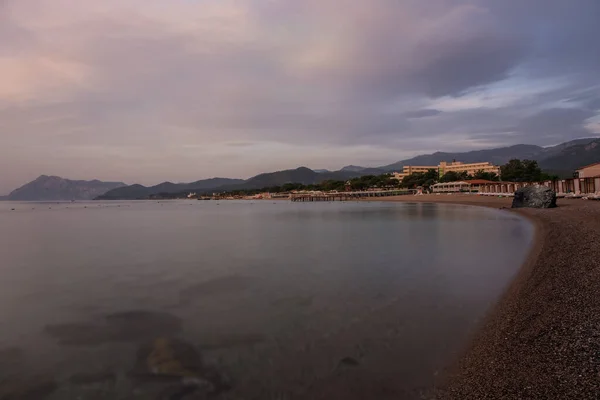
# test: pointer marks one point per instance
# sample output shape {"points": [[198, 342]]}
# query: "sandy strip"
{"points": [[542, 340]]}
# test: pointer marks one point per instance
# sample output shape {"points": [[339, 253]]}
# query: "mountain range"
{"points": [[54, 188], [562, 160], [137, 191], [499, 156]]}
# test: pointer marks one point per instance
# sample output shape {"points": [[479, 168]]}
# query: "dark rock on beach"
{"points": [[534, 197]]}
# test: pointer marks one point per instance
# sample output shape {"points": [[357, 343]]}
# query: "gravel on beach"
{"points": [[542, 340]]}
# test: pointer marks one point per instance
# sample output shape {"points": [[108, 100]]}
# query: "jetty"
{"points": [[347, 196]]}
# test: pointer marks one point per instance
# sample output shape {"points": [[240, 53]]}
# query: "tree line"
{"points": [[514, 171], [432, 177]]}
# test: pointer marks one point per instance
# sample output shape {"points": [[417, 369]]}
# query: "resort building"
{"points": [[470, 168], [443, 167], [412, 169], [585, 184]]}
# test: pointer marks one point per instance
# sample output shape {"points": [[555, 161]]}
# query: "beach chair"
{"points": [[575, 195]]}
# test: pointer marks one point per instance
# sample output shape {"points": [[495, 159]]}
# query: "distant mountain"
{"points": [[352, 168], [559, 149], [564, 157], [54, 188], [565, 160], [497, 156], [3, 198], [136, 192], [302, 175]]}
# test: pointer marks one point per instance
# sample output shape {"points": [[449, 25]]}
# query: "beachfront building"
{"points": [[589, 171], [469, 168], [451, 187], [586, 181], [444, 167], [477, 186], [412, 169], [507, 188]]}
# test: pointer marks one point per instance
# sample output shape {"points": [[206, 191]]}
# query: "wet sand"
{"points": [[542, 340]]}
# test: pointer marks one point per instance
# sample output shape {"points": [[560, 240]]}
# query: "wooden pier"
{"points": [[347, 196]]}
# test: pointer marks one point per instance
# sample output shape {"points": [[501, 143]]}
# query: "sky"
{"points": [[144, 91]]}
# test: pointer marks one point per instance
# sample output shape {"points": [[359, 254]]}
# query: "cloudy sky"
{"points": [[152, 90]]}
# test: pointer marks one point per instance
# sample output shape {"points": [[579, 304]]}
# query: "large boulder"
{"points": [[534, 197]]}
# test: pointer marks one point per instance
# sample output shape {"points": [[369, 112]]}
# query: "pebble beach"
{"points": [[542, 339]]}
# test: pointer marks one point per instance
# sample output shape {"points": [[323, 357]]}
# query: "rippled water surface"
{"points": [[244, 300]]}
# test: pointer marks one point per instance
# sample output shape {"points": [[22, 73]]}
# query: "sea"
{"points": [[245, 299]]}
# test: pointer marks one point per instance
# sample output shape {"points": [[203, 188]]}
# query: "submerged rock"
{"points": [[294, 301], [168, 358], [534, 197], [11, 362], [227, 341], [11, 355], [173, 360], [349, 362], [77, 334], [93, 378], [27, 388], [141, 325], [215, 287], [129, 326]]}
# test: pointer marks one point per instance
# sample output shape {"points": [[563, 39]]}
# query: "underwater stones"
{"points": [[129, 326], [174, 360]]}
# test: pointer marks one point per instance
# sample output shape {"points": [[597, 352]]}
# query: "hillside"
{"points": [[135, 192], [566, 160], [497, 156], [54, 188], [502, 155], [302, 175], [561, 159]]}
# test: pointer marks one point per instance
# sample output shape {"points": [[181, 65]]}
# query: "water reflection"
{"points": [[174, 300]]}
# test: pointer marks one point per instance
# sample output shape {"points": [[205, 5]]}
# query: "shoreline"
{"points": [[541, 340]]}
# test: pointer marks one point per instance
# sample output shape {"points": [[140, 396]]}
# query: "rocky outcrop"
{"points": [[534, 197]]}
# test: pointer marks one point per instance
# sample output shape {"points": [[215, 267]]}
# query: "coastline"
{"points": [[542, 338]]}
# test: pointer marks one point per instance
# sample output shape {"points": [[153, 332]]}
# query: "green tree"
{"points": [[521, 171], [450, 176], [424, 179], [488, 176]]}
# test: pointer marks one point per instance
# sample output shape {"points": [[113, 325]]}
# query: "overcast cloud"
{"points": [[152, 90]]}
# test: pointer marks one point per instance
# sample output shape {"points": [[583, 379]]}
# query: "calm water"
{"points": [[283, 300]]}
